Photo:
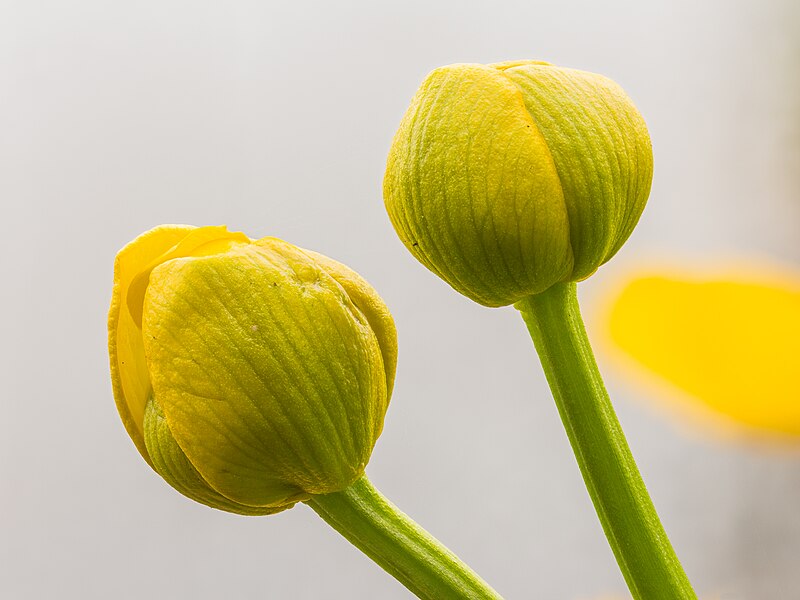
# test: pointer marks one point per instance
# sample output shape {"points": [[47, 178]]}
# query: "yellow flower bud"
{"points": [[505, 179], [251, 374]]}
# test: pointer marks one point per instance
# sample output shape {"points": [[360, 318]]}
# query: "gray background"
{"points": [[275, 119]]}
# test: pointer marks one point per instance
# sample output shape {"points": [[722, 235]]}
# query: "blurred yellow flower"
{"points": [[730, 343]]}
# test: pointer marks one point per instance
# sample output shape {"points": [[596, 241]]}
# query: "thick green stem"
{"points": [[401, 547], [633, 529]]}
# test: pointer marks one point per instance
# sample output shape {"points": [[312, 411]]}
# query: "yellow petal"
{"points": [[732, 344], [472, 189], [203, 241], [371, 305], [171, 463], [129, 377], [601, 150], [132, 269]]}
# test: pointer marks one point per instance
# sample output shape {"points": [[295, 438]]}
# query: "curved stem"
{"points": [[634, 531], [401, 547]]}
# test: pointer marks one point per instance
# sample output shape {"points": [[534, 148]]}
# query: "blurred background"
{"points": [[275, 119]]}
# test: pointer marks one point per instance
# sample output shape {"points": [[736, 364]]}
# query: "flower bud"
{"points": [[250, 374], [505, 179]]}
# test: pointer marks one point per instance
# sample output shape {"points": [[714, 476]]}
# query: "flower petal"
{"points": [[472, 190], [371, 305], [132, 269], [171, 463], [732, 344], [129, 377], [201, 241], [601, 149]]}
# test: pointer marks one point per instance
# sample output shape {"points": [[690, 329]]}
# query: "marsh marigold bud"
{"points": [[250, 374], [505, 179]]}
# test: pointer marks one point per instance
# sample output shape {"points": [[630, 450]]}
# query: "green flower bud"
{"points": [[250, 374], [505, 179]]}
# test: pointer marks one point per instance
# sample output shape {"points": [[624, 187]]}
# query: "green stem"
{"points": [[634, 531], [401, 547]]}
